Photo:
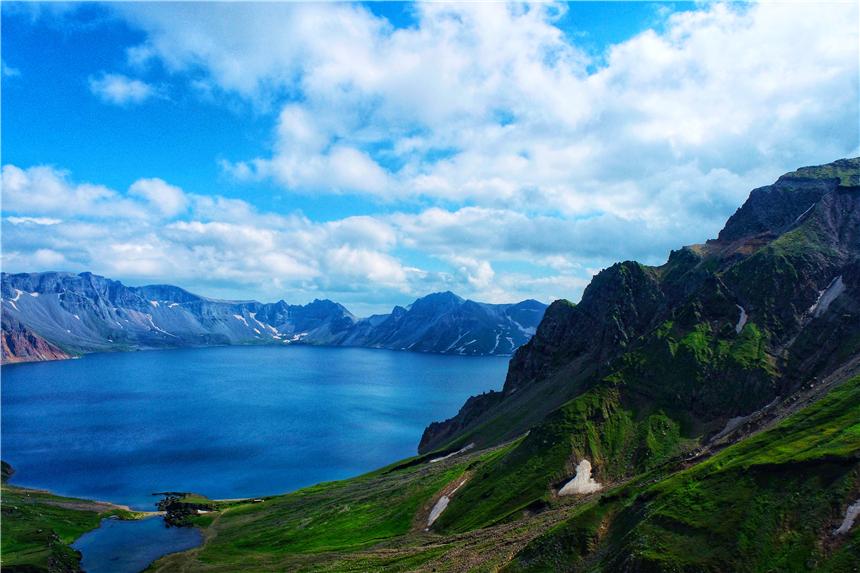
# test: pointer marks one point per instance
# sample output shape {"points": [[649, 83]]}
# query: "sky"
{"points": [[374, 153]]}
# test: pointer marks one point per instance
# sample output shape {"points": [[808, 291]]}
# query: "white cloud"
{"points": [[43, 190], [33, 220], [494, 105], [500, 143], [215, 242], [169, 200], [121, 90]]}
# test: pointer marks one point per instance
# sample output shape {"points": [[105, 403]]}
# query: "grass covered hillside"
{"points": [[771, 502], [38, 527]]}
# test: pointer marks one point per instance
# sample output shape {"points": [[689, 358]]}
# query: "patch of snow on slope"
{"points": [[34, 294], [799, 217], [441, 505], [76, 316], [496, 345], [437, 510], [582, 482], [528, 331], [263, 325], [851, 514], [827, 296], [161, 330], [12, 302], [742, 320], [18, 294], [451, 455], [462, 349], [154, 303], [173, 305], [459, 338], [240, 317]]}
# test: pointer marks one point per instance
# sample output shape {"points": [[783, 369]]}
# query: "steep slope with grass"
{"points": [[653, 362], [785, 270], [772, 502]]}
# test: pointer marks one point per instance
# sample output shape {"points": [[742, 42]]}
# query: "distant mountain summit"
{"points": [[55, 315]]}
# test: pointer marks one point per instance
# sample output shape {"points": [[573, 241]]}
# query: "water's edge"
{"points": [[130, 546]]}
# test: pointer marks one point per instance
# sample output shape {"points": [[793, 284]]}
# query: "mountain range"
{"points": [[701, 415], [55, 315]]}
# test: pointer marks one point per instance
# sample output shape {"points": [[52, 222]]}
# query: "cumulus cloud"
{"points": [[121, 90], [507, 162], [493, 104], [214, 242], [167, 199], [43, 190]]}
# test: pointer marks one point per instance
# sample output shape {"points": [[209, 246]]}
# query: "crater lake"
{"points": [[225, 422]]}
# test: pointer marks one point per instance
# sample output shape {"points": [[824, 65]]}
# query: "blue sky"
{"points": [[374, 153]]}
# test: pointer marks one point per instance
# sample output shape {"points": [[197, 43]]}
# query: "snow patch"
{"points": [[12, 302], [742, 320], [851, 514], [262, 325], [582, 482], [437, 510], [441, 505], [802, 215], [459, 338], [827, 296], [240, 317], [34, 294], [173, 305], [451, 455], [154, 303], [496, 345], [527, 330], [76, 316], [161, 330], [18, 294]]}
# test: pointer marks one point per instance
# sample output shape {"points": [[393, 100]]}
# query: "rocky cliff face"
{"points": [[719, 330], [88, 313], [19, 344]]}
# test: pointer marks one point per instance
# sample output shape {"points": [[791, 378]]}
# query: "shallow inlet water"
{"points": [[225, 422], [130, 546]]}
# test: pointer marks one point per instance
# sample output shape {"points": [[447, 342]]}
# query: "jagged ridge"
{"points": [[89, 313]]}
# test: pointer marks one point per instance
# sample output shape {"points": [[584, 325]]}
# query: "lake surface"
{"points": [[130, 546], [225, 422]]}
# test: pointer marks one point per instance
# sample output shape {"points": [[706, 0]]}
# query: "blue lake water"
{"points": [[225, 422], [130, 546]]}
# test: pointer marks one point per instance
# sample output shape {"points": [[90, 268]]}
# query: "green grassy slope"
{"points": [[37, 528], [768, 503], [330, 518]]}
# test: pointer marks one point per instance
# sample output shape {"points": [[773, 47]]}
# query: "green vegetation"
{"points": [[37, 528], [768, 503], [330, 517]]}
